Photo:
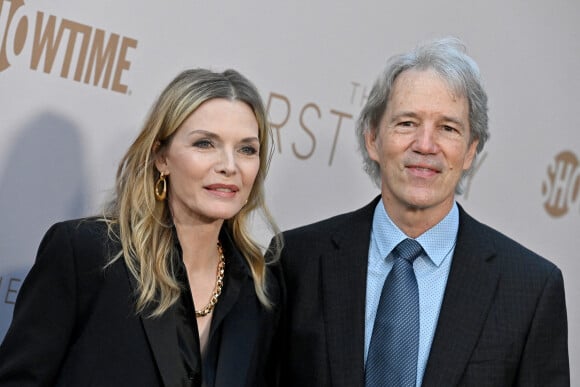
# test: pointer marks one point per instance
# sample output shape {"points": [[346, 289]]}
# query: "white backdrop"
{"points": [[77, 79]]}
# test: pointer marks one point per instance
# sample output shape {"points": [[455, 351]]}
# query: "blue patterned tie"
{"points": [[394, 347]]}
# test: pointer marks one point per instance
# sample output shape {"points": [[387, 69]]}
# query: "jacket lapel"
{"points": [[237, 335], [160, 332], [236, 272], [344, 269], [163, 342], [468, 295]]}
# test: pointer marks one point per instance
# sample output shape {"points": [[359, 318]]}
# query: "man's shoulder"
{"points": [[320, 226], [342, 222], [508, 251]]}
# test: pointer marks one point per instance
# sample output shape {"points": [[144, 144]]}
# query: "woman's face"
{"points": [[211, 161]]}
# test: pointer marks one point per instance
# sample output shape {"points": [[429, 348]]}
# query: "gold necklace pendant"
{"points": [[219, 283]]}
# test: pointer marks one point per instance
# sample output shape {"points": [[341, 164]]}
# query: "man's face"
{"points": [[422, 144]]}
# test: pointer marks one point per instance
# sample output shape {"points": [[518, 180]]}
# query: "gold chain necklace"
{"points": [[219, 283]]}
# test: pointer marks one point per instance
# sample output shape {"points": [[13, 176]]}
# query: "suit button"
{"points": [[194, 379]]}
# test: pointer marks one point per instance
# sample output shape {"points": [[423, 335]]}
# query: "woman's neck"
{"points": [[199, 244]]}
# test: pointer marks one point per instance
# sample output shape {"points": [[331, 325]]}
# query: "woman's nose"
{"points": [[226, 164]]}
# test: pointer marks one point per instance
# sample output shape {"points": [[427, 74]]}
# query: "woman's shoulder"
{"points": [[83, 237], [88, 227]]}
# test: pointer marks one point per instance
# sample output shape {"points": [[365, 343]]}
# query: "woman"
{"points": [[167, 288]]}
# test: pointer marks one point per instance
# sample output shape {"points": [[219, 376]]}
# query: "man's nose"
{"points": [[425, 140]]}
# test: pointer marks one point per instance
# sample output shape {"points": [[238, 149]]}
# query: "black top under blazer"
{"points": [[502, 321], [75, 324]]}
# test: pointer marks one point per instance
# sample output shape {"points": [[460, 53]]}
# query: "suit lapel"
{"points": [[237, 344], [236, 272], [344, 270], [163, 342], [239, 337], [160, 332], [468, 295]]}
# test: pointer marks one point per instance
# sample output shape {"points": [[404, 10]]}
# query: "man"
{"points": [[484, 310]]}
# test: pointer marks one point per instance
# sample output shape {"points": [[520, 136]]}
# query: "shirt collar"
{"points": [[437, 242]]}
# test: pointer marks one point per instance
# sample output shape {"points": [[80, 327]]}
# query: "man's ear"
{"points": [[371, 144], [470, 155]]}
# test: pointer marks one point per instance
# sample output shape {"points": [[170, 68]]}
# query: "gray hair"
{"points": [[448, 58]]}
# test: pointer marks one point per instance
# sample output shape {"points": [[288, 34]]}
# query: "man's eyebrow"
{"points": [[411, 114]]}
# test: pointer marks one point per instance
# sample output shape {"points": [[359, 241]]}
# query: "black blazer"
{"points": [[502, 321], [74, 323]]}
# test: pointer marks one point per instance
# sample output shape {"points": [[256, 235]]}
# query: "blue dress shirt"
{"points": [[431, 270]]}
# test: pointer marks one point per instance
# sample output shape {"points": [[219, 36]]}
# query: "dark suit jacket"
{"points": [[502, 321], [74, 323]]}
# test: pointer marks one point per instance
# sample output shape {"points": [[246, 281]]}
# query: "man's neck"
{"points": [[414, 221]]}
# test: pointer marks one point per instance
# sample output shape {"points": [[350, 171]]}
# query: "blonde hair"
{"points": [[144, 226]]}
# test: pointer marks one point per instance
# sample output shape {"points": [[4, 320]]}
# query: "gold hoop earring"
{"points": [[161, 188]]}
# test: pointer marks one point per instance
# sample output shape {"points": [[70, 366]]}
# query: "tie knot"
{"points": [[408, 249]]}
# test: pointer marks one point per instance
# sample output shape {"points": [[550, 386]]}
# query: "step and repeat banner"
{"points": [[77, 79]]}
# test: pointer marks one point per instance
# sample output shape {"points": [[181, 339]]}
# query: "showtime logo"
{"points": [[73, 50], [561, 189]]}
